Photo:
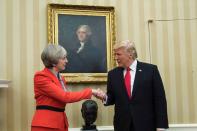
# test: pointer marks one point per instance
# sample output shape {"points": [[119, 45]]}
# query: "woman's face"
{"points": [[62, 63]]}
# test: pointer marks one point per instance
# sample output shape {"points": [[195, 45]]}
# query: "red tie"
{"points": [[127, 81]]}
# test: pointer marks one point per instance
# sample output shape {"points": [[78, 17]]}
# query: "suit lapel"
{"points": [[53, 77], [138, 78]]}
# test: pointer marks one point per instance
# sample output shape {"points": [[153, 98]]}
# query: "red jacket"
{"points": [[48, 91]]}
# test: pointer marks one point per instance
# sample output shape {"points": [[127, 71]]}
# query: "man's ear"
{"points": [[130, 55]]}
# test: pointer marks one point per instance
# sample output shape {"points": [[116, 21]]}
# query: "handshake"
{"points": [[98, 93]]}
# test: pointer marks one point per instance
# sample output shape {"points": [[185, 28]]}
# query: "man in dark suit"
{"points": [[84, 56], [137, 91]]}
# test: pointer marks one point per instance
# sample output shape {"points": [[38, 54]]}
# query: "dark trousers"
{"points": [[132, 127]]}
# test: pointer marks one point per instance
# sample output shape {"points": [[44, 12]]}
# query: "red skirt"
{"points": [[37, 128]]}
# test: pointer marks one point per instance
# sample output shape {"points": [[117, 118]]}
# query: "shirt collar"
{"points": [[133, 66], [82, 43]]}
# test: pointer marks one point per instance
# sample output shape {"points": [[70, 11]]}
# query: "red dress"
{"points": [[49, 92]]}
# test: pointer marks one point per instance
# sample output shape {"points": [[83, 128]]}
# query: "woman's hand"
{"points": [[98, 93]]}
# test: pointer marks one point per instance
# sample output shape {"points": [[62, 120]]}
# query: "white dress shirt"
{"points": [[81, 47]]}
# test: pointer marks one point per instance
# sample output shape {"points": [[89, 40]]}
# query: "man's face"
{"points": [[82, 34], [122, 57]]}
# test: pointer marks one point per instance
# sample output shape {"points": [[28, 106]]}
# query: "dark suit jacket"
{"points": [[147, 109]]}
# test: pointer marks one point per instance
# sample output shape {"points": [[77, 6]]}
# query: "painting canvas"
{"points": [[87, 34]]}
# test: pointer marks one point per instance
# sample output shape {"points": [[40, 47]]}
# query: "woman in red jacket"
{"points": [[51, 93]]}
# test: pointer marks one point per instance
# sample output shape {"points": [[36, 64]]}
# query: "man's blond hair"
{"points": [[129, 46]]}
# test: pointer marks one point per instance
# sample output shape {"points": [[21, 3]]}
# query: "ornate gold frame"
{"points": [[108, 12]]}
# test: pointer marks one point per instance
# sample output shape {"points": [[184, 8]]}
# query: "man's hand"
{"points": [[98, 93]]}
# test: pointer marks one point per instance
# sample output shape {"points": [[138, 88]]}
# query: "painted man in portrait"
{"points": [[84, 56]]}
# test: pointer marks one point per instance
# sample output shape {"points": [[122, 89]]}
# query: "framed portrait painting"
{"points": [[88, 34]]}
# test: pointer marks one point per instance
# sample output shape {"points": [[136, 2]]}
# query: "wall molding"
{"points": [[183, 127], [173, 127], [4, 83]]}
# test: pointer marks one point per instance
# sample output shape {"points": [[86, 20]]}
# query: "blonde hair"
{"points": [[129, 46]]}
